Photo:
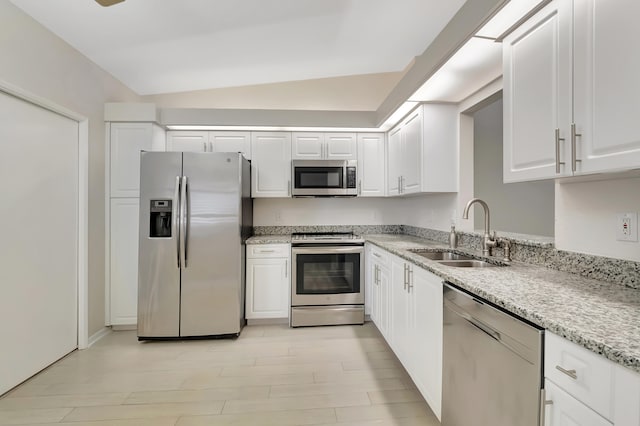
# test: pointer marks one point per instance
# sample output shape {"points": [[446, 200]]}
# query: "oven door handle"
{"points": [[326, 250]]}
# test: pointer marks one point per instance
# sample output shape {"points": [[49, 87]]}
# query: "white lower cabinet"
{"points": [[377, 288], [565, 410], [583, 388], [123, 265], [268, 281], [406, 306]]}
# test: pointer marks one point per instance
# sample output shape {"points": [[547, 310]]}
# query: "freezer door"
{"points": [[212, 273], [158, 268]]}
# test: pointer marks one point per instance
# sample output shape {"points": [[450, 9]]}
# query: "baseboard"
{"points": [[97, 336], [124, 327], [268, 321]]}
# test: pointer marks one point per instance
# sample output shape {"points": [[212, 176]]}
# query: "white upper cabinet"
{"points": [[411, 176], [127, 140], [606, 84], [394, 160], [232, 141], [537, 95], [324, 146], [271, 164], [340, 146], [188, 141], [307, 146], [422, 151], [371, 165], [570, 96]]}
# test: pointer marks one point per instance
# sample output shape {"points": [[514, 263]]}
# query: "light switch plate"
{"points": [[627, 226]]}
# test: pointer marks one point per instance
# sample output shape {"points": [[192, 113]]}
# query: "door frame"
{"points": [[83, 199]]}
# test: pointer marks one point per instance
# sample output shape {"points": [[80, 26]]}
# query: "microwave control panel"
{"points": [[351, 177]]}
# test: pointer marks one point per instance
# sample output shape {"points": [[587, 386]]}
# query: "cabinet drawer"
{"points": [[583, 374], [255, 251], [380, 256], [562, 409]]}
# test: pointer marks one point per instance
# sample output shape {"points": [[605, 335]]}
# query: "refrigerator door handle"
{"points": [[184, 212], [175, 214]]}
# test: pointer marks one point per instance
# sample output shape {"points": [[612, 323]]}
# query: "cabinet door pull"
{"points": [[204, 146], [405, 276], [571, 373], [286, 268], [558, 162], [409, 278], [359, 187], [288, 188], [574, 135]]}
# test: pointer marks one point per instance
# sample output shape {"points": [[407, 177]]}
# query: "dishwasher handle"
{"points": [[488, 330]]}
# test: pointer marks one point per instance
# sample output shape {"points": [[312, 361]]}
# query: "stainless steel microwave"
{"points": [[324, 178]]}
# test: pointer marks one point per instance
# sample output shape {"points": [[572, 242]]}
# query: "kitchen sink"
{"points": [[441, 255], [468, 263]]}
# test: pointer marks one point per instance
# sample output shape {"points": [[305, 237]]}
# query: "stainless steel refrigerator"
{"points": [[195, 215]]}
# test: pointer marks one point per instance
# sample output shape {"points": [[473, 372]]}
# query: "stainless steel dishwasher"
{"points": [[492, 364]]}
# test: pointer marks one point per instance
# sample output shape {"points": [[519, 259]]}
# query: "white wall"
{"points": [[585, 216], [35, 60], [351, 93], [524, 207]]}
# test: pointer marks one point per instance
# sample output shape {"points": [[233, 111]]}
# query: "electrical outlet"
{"points": [[627, 226]]}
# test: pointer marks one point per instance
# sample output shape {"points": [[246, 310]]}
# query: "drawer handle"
{"points": [[265, 251], [376, 254], [571, 373]]}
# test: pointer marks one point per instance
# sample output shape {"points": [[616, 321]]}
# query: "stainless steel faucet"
{"points": [[489, 240]]}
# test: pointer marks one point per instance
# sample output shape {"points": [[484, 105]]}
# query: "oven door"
{"points": [[327, 275]]}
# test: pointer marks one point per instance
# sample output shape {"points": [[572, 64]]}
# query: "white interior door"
{"points": [[39, 244]]}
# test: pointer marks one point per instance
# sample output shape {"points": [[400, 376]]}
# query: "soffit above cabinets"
{"points": [[479, 61]]}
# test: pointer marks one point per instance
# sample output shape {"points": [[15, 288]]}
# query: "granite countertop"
{"points": [[269, 239], [601, 316]]}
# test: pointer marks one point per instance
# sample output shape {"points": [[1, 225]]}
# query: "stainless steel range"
{"points": [[328, 279]]}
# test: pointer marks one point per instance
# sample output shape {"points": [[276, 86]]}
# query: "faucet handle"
{"points": [[493, 235]]}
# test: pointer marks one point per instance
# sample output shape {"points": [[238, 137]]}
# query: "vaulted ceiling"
{"points": [[164, 46]]}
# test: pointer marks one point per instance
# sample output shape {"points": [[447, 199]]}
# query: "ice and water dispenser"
{"points": [[160, 219]]}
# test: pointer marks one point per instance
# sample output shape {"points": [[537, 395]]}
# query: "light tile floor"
{"points": [[270, 375]]}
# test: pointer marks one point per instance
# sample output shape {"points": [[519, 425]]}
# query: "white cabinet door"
{"points": [[127, 140], [425, 335], [268, 288], [123, 267], [411, 165], [399, 321], [384, 302], [371, 165], [607, 91], [340, 146], [394, 161], [220, 141], [564, 410], [537, 95], [271, 164], [188, 141], [308, 146]]}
